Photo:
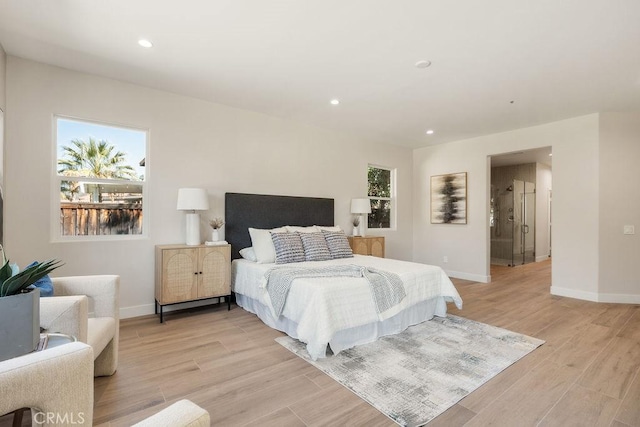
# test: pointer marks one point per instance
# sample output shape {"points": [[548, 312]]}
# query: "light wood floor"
{"points": [[227, 362]]}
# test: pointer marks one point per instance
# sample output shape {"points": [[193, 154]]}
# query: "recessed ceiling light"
{"points": [[423, 63], [550, 154], [430, 132], [145, 43], [335, 102]]}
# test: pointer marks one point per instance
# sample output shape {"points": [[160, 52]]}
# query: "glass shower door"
{"points": [[529, 223], [524, 215]]}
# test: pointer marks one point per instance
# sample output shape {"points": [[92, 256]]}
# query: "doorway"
{"points": [[519, 228]]}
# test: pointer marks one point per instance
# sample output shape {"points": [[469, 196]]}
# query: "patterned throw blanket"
{"points": [[387, 288]]}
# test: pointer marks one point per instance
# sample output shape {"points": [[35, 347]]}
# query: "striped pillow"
{"points": [[315, 247], [288, 247], [338, 244]]}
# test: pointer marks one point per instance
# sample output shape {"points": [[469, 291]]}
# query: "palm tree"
{"points": [[95, 159]]}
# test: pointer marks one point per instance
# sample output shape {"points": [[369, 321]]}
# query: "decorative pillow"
{"points": [[310, 229], [315, 247], [44, 283], [288, 247], [338, 244], [263, 245], [249, 254], [333, 228]]}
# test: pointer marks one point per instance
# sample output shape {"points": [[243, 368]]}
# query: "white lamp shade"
{"points": [[360, 206], [192, 199]]}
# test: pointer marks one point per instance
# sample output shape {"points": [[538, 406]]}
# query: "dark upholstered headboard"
{"points": [[242, 211]]}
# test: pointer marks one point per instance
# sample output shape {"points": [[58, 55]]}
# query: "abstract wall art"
{"points": [[449, 198]]}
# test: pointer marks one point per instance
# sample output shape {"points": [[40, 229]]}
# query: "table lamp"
{"points": [[361, 207], [192, 200]]}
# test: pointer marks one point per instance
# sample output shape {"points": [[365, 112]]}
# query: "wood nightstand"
{"points": [[367, 245], [190, 273]]}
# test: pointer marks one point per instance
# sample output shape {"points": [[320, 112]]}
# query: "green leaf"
{"points": [[16, 284], [5, 272]]}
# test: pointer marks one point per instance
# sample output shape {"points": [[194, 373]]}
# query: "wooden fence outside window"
{"points": [[95, 219]]}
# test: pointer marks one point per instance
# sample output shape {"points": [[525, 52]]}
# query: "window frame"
{"points": [[56, 235], [393, 199]]}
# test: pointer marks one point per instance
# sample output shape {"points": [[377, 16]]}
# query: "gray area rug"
{"points": [[415, 376]]}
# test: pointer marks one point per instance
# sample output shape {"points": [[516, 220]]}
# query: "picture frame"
{"points": [[449, 198]]}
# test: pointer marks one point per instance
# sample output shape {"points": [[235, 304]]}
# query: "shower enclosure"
{"points": [[512, 223]]}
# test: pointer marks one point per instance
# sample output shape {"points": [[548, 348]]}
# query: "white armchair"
{"points": [[56, 383], [183, 413], [88, 308]]}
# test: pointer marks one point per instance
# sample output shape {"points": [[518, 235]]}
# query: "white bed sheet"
{"points": [[340, 311]]}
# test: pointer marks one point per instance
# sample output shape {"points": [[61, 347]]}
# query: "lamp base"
{"points": [[193, 229]]}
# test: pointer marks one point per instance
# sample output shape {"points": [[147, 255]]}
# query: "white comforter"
{"points": [[323, 306]]}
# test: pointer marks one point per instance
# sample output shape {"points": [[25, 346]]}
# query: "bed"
{"points": [[326, 312]]}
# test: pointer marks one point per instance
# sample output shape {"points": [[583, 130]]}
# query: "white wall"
{"points": [[193, 143], [619, 206], [3, 78], [575, 252], [543, 186], [466, 246]]}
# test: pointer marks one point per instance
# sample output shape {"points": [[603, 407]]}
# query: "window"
{"points": [[382, 196], [99, 179]]}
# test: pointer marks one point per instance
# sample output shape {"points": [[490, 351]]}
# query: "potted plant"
{"points": [[356, 222], [216, 224], [20, 307]]}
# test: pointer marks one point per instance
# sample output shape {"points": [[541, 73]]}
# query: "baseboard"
{"points": [[573, 293], [136, 311], [468, 276], [596, 297], [146, 309], [620, 298], [542, 258]]}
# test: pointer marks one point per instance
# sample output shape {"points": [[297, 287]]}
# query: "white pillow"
{"points": [[263, 245], [310, 229], [334, 228], [248, 254]]}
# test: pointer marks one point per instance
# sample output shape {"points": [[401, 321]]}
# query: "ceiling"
{"points": [[496, 65]]}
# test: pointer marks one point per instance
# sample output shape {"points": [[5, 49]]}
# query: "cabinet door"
{"points": [[179, 278], [359, 246], [377, 247], [215, 279]]}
